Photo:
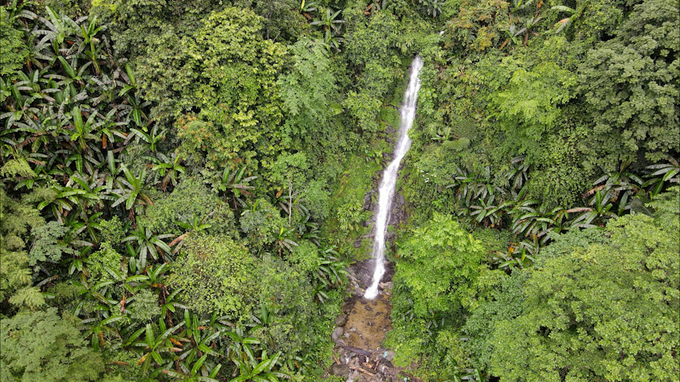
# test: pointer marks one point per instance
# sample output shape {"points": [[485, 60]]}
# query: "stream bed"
{"points": [[361, 329]]}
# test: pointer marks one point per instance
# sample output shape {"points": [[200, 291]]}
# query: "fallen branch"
{"points": [[357, 368], [355, 350]]}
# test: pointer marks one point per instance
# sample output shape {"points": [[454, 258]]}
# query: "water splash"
{"points": [[389, 180]]}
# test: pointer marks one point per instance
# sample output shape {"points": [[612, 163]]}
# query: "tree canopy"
{"points": [[183, 185]]}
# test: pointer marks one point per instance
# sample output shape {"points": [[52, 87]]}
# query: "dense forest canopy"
{"points": [[182, 184]]}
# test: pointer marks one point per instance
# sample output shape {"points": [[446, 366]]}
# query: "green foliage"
{"points": [[106, 258], [630, 86], [372, 45], [134, 21], [504, 303], [43, 346], [288, 298], [261, 223], [228, 72], [530, 102], [317, 200], [476, 25], [144, 306], [282, 21], [216, 274], [438, 265], [180, 112], [600, 311], [188, 201], [112, 230], [12, 49], [17, 168], [309, 94], [15, 275], [47, 244], [350, 215]]}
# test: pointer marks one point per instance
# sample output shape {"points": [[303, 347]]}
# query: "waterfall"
{"points": [[407, 113]]}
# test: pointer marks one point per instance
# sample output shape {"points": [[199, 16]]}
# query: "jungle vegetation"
{"points": [[182, 182]]}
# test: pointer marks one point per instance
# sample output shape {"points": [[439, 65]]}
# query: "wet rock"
{"points": [[337, 333], [388, 355], [367, 203], [398, 214], [339, 370], [386, 285], [341, 320]]}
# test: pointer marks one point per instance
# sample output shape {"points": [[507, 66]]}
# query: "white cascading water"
{"points": [[389, 179]]}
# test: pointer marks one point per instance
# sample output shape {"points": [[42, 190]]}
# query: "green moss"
{"points": [[355, 181], [390, 116]]}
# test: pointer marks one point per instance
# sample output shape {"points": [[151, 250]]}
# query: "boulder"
{"points": [[339, 370], [341, 320], [337, 333]]}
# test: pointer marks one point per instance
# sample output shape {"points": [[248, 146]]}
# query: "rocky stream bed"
{"points": [[360, 331]]}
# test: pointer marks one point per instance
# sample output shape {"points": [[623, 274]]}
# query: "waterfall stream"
{"points": [[386, 192]]}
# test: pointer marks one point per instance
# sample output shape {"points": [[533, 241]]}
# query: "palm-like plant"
{"points": [[59, 28], [134, 109], [88, 45], [513, 34], [565, 23], [167, 168], [531, 219], [284, 241], [251, 369], [109, 130], [307, 7], [518, 175], [152, 139], [155, 347], [101, 330], [519, 255], [197, 342], [662, 173], [233, 183], [148, 244], [83, 131], [329, 21], [191, 227], [330, 274], [600, 210], [331, 25], [486, 214], [189, 373], [132, 191]]}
